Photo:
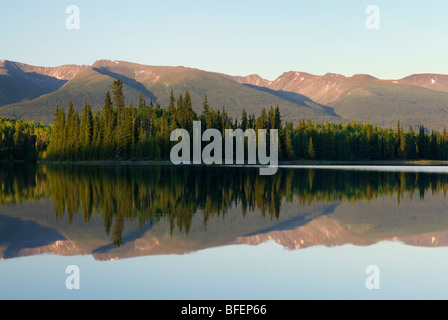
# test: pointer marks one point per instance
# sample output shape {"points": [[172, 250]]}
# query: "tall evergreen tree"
{"points": [[108, 120], [172, 111], [207, 114], [311, 151], [244, 120], [117, 92], [71, 139], [189, 113], [141, 102], [86, 131], [288, 150], [411, 144]]}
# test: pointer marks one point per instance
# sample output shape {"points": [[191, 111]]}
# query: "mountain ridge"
{"points": [[155, 83], [32, 92]]}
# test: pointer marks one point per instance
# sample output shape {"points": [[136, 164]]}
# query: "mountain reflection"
{"points": [[147, 195]]}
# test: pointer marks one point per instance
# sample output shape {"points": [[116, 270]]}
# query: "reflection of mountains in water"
{"points": [[166, 210]]}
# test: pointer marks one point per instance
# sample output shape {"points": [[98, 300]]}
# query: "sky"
{"points": [[241, 37], [264, 272]]}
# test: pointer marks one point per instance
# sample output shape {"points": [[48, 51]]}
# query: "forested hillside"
{"points": [[31, 93], [127, 132]]}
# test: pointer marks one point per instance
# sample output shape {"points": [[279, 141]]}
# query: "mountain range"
{"points": [[32, 93]]}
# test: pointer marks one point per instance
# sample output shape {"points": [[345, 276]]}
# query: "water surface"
{"points": [[166, 232]]}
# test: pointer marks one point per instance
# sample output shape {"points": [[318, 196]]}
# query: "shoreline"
{"points": [[281, 163]]}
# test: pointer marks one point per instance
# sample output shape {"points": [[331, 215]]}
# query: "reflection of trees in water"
{"points": [[148, 194], [22, 183]]}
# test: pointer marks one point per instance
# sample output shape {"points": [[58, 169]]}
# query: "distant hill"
{"points": [[428, 80], [19, 82], [90, 83], [412, 100], [31, 93]]}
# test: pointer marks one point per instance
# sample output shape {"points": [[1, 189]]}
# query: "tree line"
{"points": [[127, 132]]}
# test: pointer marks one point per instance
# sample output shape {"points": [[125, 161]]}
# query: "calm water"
{"points": [[223, 233]]}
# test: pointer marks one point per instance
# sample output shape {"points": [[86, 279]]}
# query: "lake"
{"points": [[168, 232]]}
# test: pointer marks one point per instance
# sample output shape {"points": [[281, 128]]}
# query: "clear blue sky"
{"points": [[234, 37]]}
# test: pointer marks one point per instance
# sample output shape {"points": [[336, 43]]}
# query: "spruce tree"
{"points": [[311, 152], [207, 114], [189, 113], [117, 92], [108, 128], [422, 143], [97, 137], [180, 114], [141, 102], [70, 133], [287, 144], [411, 145], [244, 120], [172, 111], [86, 131], [444, 144]]}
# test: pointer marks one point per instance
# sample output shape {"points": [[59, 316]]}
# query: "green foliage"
{"points": [[22, 140], [363, 141]]}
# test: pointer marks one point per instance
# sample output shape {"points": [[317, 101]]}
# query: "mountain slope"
{"points": [[32, 93], [91, 83], [221, 91], [428, 80], [87, 85], [321, 89], [384, 105], [412, 100], [20, 82]]}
